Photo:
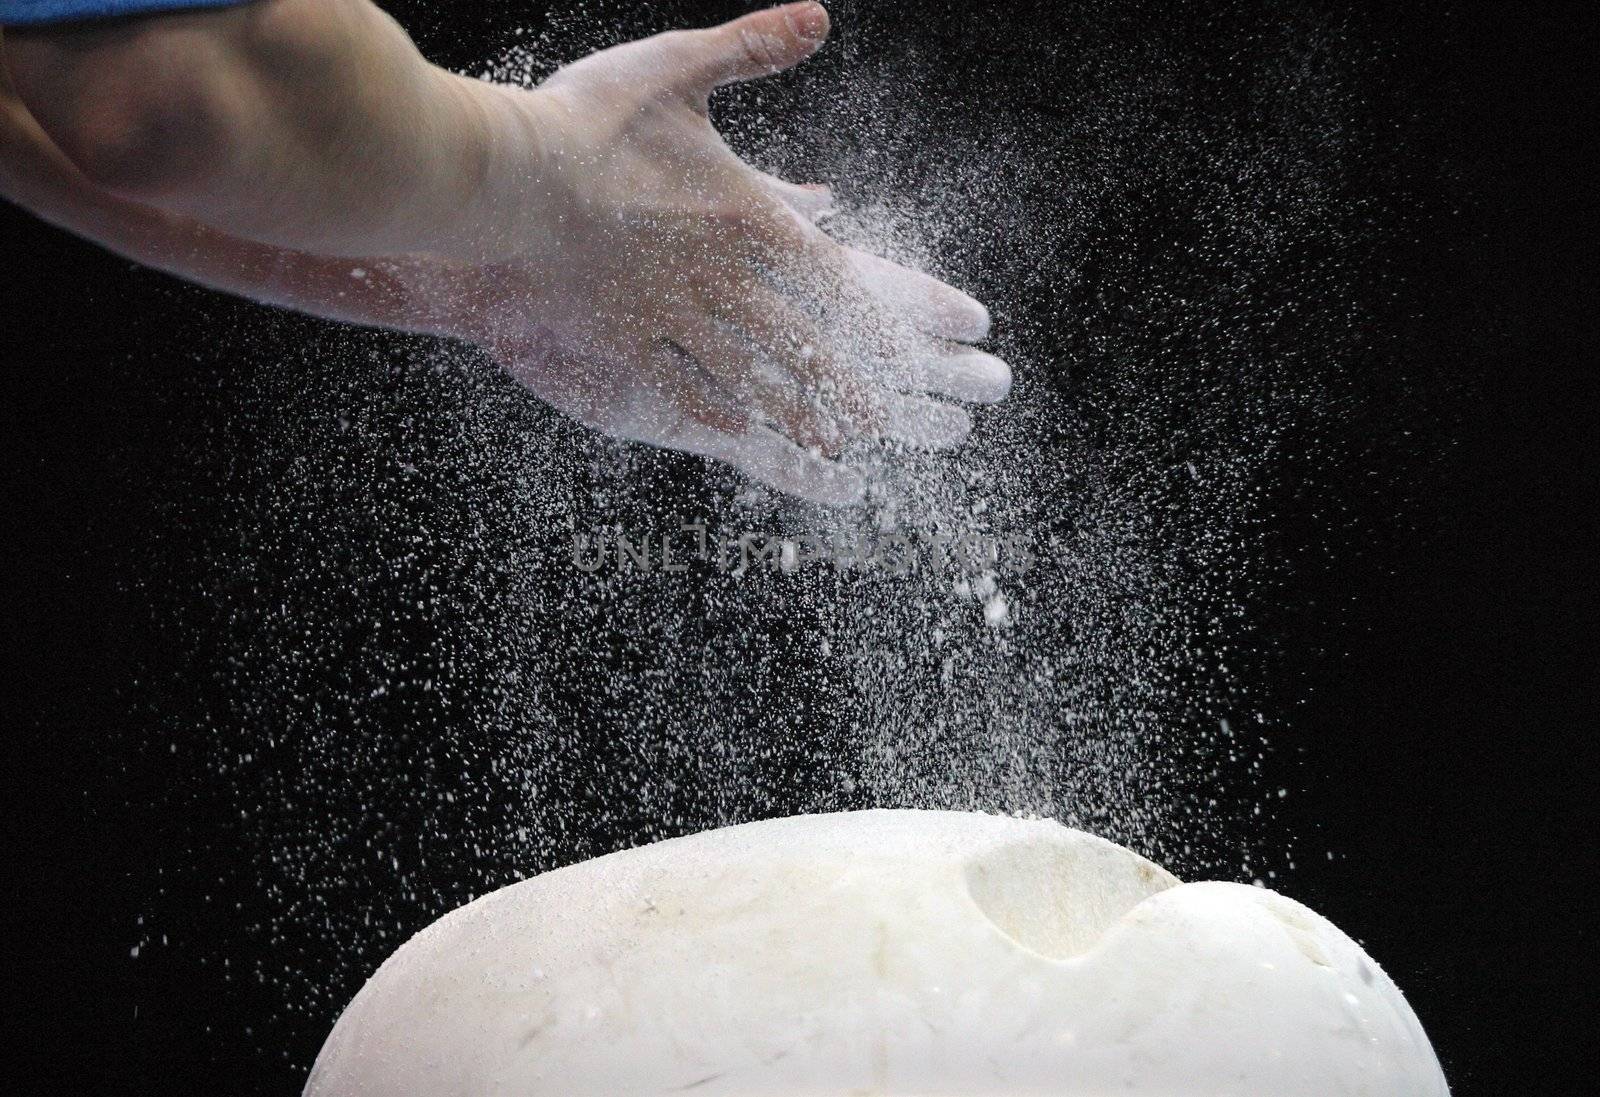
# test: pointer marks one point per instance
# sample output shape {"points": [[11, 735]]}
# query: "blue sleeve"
{"points": [[20, 12]]}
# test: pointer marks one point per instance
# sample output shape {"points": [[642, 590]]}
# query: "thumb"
{"points": [[756, 45]]}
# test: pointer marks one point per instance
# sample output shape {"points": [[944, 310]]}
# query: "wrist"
{"points": [[506, 165]]}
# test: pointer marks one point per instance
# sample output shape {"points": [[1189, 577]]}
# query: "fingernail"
{"points": [[808, 20]]}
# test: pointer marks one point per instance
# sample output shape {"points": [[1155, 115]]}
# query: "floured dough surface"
{"points": [[885, 952]]}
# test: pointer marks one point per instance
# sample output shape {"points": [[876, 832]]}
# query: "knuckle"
{"points": [[762, 52], [736, 221]]}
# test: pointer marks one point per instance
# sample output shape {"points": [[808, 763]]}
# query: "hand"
{"points": [[667, 292]]}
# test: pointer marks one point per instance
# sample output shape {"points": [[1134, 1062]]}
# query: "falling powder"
{"points": [[417, 694]]}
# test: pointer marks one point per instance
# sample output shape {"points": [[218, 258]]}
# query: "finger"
{"points": [[756, 45], [788, 340], [957, 372], [932, 306], [801, 418], [652, 397], [687, 386], [768, 457], [771, 234], [801, 271], [773, 460], [929, 424], [768, 389]]}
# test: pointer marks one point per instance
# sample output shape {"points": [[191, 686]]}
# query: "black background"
{"points": [[1443, 712]]}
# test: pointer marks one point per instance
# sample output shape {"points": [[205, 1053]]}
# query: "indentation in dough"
{"points": [[1301, 927], [1057, 898]]}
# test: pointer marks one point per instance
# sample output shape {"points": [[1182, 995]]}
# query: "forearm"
{"points": [[37, 176], [307, 124]]}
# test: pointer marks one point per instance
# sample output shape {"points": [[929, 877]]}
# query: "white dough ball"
{"points": [[882, 952]]}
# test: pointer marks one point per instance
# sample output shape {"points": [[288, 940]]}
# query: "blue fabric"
{"points": [[18, 12]]}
